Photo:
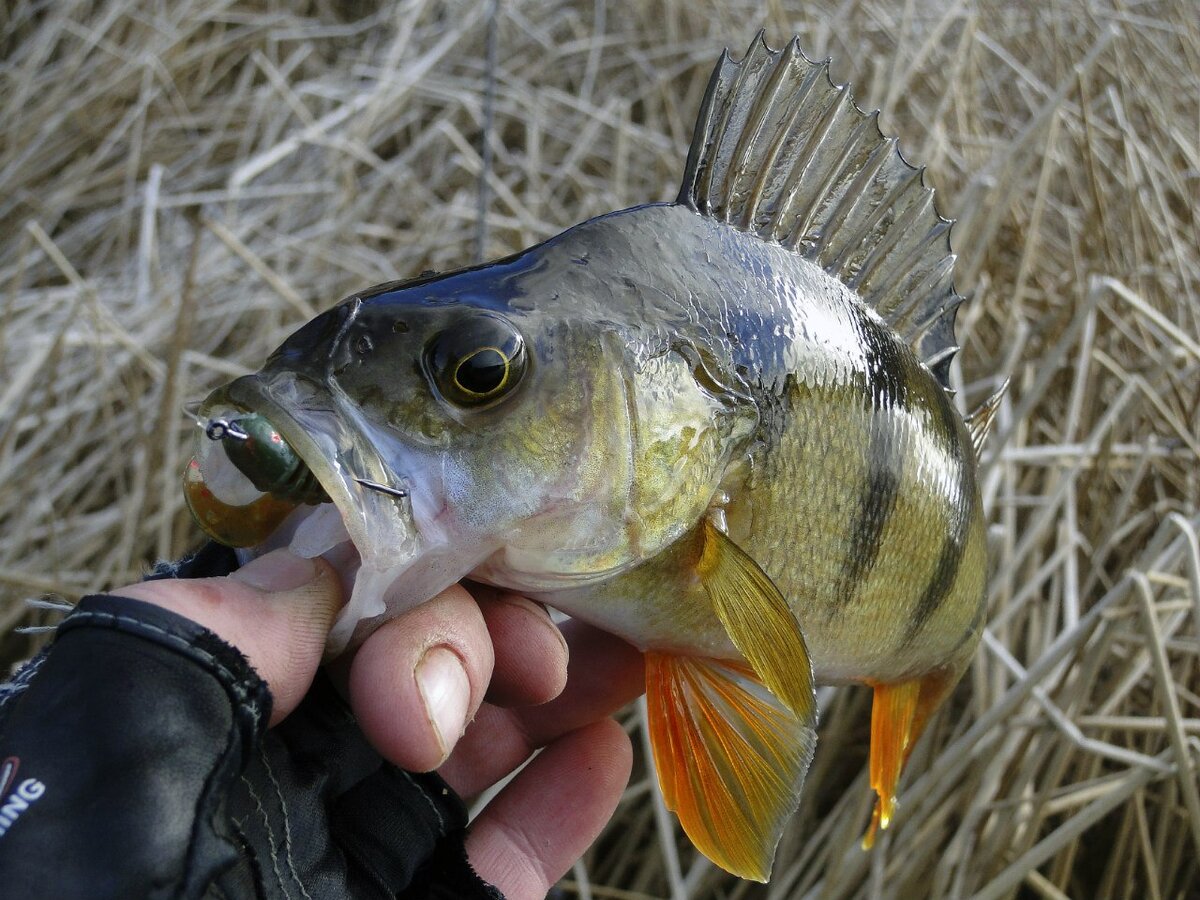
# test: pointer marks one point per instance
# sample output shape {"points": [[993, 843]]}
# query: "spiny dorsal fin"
{"points": [[980, 421], [780, 151]]}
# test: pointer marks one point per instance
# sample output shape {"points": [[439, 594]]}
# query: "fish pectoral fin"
{"points": [[758, 620], [731, 757]]}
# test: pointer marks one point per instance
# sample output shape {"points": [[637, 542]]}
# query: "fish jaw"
{"points": [[393, 552]]}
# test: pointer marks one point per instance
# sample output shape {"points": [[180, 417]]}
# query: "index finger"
{"points": [[603, 674]]}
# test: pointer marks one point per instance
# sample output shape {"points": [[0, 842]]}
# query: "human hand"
{"points": [[494, 660]]}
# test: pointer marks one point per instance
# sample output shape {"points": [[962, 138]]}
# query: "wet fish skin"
{"points": [[727, 439], [859, 474]]}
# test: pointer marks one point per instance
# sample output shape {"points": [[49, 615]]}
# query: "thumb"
{"points": [[277, 609]]}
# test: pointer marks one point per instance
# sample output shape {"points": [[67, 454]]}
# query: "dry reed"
{"points": [[182, 184]]}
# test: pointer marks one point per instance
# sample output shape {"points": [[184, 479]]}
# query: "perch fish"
{"points": [[719, 428]]}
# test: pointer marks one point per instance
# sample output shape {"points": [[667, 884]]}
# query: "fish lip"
{"points": [[253, 394], [382, 527]]}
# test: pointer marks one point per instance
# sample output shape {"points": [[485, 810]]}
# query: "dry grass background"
{"points": [[183, 183]]}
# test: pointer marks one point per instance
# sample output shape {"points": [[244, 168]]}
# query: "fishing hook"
{"points": [[383, 488], [220, 429]]}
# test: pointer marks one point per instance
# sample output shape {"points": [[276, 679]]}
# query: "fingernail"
{"points": [[536, 610], [279, 570], [446, 693]]}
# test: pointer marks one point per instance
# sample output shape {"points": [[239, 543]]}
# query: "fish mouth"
{"points": [[368, 532]]}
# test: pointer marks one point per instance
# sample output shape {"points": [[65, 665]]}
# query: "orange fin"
{"points": [[892, 714], [758, 620], [887, 714], [935, 687], [731, 757]]}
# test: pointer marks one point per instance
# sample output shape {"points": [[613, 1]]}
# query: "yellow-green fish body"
{"points": [[834, 456], [719, 428]]}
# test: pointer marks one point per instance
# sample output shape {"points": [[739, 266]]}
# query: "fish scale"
{"points": [[874, 557], [719, 428]]}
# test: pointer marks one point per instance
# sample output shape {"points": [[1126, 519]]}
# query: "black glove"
{"points": [[136, 762]]}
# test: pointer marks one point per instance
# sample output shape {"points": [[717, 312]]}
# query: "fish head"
{"points": [[455, 427]]}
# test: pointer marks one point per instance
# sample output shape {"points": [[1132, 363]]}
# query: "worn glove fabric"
{"points": [[135, 762]]}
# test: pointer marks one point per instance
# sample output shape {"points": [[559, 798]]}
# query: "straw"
{"points": [[182, 185]]}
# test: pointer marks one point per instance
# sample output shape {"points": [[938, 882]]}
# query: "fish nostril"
{"points": [[363, 345]]}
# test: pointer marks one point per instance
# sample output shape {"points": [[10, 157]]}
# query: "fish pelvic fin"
{"points": [[780, 151], [757, 619], [899, 714], [979, 423], [731, 757]]}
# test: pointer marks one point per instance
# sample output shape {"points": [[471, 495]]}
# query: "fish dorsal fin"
{"points": [[780, 151], [979, 423]]}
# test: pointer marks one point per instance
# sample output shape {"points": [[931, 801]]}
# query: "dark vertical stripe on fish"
{"points": [[885, 390], [945, 573]]}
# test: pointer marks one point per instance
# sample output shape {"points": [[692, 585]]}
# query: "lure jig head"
{"points": [[258, 451], [263, 456]]}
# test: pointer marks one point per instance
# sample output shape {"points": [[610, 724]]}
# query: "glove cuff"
{"points": [[133, 728], [249, 696]]}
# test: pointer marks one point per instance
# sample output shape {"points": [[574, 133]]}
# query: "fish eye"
{"points": [[476, 361]]}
